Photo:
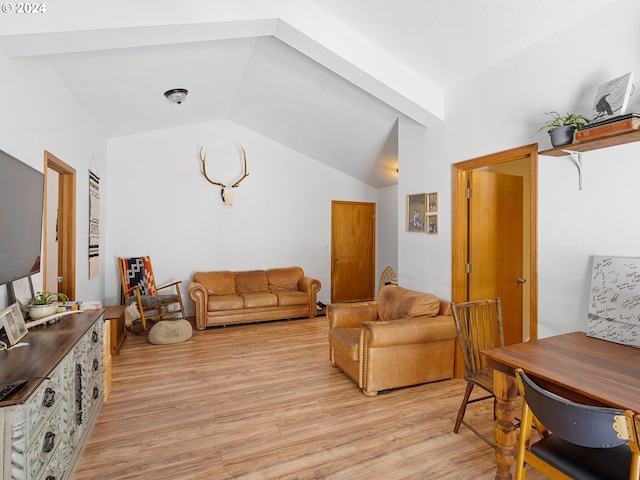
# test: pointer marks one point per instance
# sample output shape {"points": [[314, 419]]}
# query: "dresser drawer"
{"points": [[28, 419], [44, 448]]}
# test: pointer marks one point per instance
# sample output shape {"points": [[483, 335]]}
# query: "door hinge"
{"points": [[467, 268], [467, 193]]}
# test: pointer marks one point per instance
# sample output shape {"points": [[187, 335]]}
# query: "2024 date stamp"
{"points": [[23, 8]]}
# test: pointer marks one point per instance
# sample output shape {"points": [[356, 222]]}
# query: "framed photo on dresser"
{"points": [[13, 322]]}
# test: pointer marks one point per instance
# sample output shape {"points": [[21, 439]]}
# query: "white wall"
{"points": [[501, 109], [424, 261], [160, 205], [39, 114], [386, 229]]}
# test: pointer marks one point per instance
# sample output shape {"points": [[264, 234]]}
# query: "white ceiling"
{"points": [[328, 78]]}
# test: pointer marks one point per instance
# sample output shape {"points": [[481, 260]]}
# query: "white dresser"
{"points": [[45, 425]]}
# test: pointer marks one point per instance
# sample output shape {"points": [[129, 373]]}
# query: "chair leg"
{"points": [[137, 331], [463, 407], [180, 302], [143, 320]]}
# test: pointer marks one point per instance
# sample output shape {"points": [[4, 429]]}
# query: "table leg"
{"points": [[505, 390]]}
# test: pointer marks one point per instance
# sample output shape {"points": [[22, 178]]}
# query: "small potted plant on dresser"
{"points": [[562, 128], [45, 304]]}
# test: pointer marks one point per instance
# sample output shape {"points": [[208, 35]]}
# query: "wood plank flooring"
{"points": [[262, 402]]}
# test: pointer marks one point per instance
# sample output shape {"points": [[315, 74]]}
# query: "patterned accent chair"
{"points": [[141, 294]]}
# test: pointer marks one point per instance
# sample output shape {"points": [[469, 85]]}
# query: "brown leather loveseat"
{"points": [[225, 297], [405, 338]]}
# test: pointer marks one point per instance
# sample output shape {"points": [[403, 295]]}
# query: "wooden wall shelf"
{"points": [[576, 149], [595, 144]]}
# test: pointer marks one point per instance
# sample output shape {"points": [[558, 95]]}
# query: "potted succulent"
{"points": [[562, 128], [44, 304]]}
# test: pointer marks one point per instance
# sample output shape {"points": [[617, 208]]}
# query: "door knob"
{"points": [[521, 281]]}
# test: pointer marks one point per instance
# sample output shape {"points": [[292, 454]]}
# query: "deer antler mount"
{"points": [[227, 192]]}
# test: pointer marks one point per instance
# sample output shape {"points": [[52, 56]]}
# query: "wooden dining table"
{"points": [[578, 367]]}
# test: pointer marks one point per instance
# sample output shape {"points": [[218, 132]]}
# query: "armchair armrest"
{"points": [[198, 293], [135, 290], [351, 314], [408, 331], [310, 286], [170, 285]]}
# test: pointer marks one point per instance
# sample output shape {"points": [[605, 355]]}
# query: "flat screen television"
{"points": [[21, 209]]}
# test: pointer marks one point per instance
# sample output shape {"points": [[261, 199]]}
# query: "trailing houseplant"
{"points": [[44, 304], [561, 128]]}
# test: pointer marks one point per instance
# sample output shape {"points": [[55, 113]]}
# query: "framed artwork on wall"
{"points": [[432, 224], [416, 209], [432, 202], [13, 322]]}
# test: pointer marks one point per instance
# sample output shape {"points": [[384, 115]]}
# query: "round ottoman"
{"points": [[166, 332]]}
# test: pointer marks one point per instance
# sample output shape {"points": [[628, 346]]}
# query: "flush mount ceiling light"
{"points": [[176, 95]]}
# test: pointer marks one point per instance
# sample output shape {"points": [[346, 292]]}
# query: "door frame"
{"points": [[459, 223], [66, 224]]}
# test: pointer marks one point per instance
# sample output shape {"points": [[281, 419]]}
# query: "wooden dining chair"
{"points": [[479, 326], [575, 440], [139, 287]]}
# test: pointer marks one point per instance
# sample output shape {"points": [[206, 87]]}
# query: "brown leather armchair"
{"points": [[405, 338]]}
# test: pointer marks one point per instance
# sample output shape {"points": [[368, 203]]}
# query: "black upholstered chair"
{"points": [[576, 441]]}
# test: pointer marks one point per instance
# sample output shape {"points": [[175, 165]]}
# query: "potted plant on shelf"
{"points": [[562, 128], [45, 304]]}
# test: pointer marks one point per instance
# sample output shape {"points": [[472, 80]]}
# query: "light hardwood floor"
{"points": [[262, 401]]}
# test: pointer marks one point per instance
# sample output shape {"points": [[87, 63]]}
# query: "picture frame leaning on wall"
{"points": [[21, 291]]}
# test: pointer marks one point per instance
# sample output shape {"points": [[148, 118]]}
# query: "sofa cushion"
{"points": [[259, 299], [224, 302], [251, 281], [292, 297], [217, 283], [396, 302], [345, 341], [281, 279]]}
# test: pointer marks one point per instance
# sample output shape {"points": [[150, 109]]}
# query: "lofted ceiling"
{"points": [[327, 78]]}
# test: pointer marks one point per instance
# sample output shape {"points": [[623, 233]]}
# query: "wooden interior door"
{"points": [[495, 245], [353, 233], [66, 206], [527, 157]]}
